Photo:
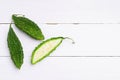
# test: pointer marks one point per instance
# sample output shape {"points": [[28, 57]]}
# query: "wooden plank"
{"points": [[91, 40], [63, 69], [65, 11], [93, 24]]}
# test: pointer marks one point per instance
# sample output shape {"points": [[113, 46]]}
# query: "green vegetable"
{"points": [[28, 26], [45, 48], [15, 48]]}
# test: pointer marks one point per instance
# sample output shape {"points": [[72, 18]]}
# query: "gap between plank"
{"points": [[54, 23], [80, 56]]}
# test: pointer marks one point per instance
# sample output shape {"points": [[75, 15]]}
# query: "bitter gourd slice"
{"points": [[45, 48], [15, 48], [28, 26]]}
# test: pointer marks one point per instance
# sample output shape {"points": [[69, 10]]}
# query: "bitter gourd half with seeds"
{"points": [[45, 48], [15, 48], [28, 26]]}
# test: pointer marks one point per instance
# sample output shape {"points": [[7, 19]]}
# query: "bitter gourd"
{"points": [[28, 26], [15, 48], [45, 48]]}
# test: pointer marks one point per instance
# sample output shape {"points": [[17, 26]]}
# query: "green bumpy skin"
{"points": [[28, 26], [15, 48], [45, 49]]}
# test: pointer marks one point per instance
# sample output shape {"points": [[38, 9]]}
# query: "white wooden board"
{"points": [[95, 54]]}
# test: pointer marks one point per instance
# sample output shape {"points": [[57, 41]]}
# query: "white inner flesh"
{"points": [[45, 49]]}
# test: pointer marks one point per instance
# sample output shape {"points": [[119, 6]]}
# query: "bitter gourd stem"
{"points": [[73, 42], [19, 15]]}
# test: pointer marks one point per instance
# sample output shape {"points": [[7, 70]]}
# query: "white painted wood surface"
{"points": [[95, 56]]}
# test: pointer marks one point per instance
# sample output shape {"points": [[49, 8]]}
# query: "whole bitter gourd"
{"points": [[28, 26], [15, 48]]}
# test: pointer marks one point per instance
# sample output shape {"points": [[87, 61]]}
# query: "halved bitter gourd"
{"points": [[46, 48], [28, 26], [15, 48]]}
